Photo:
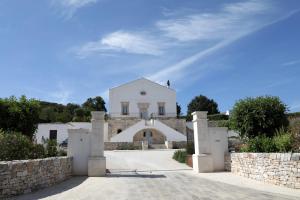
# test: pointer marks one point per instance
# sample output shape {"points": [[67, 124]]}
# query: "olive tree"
{"points": [[262, 115]]}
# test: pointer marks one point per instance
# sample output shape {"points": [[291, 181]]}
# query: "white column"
{"points": [[97, 161], [202, 159]]}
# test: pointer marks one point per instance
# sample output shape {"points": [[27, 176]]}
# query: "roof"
{"points": [[142, 78]]}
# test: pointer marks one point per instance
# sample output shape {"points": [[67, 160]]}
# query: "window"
{"points": [[125, 108], [161, 108], [53, 134], [119, 131]]}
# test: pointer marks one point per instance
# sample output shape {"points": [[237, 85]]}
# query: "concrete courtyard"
{"points": [[153, 175]]}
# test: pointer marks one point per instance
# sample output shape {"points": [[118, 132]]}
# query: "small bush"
{"points": [[38, 151], [180, 156], [14, 146], [190, 148], [62, 152], [51, 148], [252, 117], [217, 117], [223, 123], [259, 144], [283, 140]]}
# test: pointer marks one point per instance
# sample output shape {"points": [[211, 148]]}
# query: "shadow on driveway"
{"points": [[55, 189]]}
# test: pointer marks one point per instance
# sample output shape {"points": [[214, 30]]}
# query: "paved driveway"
{"points": [[149, 175]]}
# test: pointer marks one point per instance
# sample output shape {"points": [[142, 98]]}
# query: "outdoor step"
{"points": [[157, 146]]}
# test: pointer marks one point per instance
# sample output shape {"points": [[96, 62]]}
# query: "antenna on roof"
{"points": [[168, 84]]}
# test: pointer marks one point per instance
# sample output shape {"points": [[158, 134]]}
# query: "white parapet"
{"points": [[97, 161]]}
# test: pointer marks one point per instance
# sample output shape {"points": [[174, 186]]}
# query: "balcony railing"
{"points": [[141, 115]]}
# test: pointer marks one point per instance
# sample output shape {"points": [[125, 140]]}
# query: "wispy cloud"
{"points": [[122, 41], [61, 95], [232, 23], [231, 19], [289, 63], [69, 7]]}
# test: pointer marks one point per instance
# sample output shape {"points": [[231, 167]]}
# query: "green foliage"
{"points": [[38, 151], [62, 152], [217, 117], [295, 131], [252, 117], [51, 148], [19, 115], [293, 115], [94, 104], [14, 146], [190, 148], [283, 140], [178, 110], [202, 103], [223, 123], [81, 115], [180, 156], [54, 112]]}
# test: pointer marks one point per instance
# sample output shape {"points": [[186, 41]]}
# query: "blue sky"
{"points": [[68, 50]]}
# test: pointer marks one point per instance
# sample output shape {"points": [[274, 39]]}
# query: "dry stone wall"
{"points": [[276, 168], [24, 176]]}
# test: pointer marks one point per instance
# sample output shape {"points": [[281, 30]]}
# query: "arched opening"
{"points": [[152, 135], [119, 131]]}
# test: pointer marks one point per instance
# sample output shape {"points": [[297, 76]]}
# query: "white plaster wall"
{"points": [[44, 131], [127, 135], [79, 149], [62, 130], [130, 92], [218, 146]]}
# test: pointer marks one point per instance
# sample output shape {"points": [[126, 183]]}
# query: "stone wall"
{"points": [[276, 168], [24, 176], [119, 124], [109, 146]]}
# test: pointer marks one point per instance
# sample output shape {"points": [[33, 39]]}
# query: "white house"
{"points": [[139, 110]]}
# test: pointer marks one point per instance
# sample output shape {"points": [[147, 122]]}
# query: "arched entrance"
{"points": [[152, 136]]}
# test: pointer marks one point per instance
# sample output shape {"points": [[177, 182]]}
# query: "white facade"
{"points": [[43, 130], [142, 96]]}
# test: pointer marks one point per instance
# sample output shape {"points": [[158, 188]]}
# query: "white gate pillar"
{"points": [[202, 159], [97, 161]]}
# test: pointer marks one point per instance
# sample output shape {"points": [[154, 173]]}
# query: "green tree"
{"points": [[178, 110], [262, 115], [202, 103], [20, 115], [81, 115], [94, 104]]}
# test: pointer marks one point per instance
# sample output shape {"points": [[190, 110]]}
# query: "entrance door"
{"points": [[148, 136], [144, 113]]}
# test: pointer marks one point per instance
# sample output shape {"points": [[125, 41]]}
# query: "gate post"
{"points": [[97, 161], [202, 159]]}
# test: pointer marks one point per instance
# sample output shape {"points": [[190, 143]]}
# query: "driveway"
{"points": [[155, 175]]}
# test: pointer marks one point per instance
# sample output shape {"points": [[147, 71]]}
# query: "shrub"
{"points": [[38, 151], [223, 123], [295, 131], [217, 117], [21, 115], [202, 103], [190, 149], [14, 146], [62, 152], [180, 156], [283, 140], [252, 117], [259, 144], [51, 148]]}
